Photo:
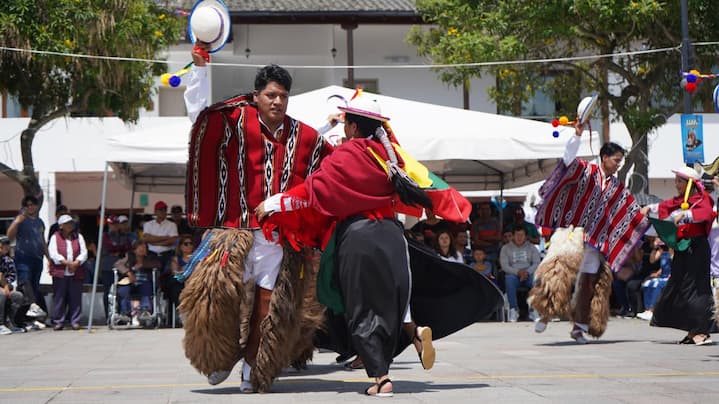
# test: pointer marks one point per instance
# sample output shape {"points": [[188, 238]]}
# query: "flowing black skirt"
{"points": [[686, 303], [446, 296]]}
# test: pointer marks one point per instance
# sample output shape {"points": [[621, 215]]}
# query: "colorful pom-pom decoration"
{"points": [[174, 81], [555, 134], [563, 120], [684, 206], [165, 79], [691, 87], [691, 78], [555, 122]]}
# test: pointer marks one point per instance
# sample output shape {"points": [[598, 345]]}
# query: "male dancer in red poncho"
{"points": [[582, 194], [245, 296]]}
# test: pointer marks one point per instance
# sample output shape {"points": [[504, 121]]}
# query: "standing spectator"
{"points": [[160, 235], [486, 232], [445, 246], [115, 245], [59, 211], [28, 230], [518, 220], [656, 281], [183, 227], [67, 254], [460, 242], [518, 259]]}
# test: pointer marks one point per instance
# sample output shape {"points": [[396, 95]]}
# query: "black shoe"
{"points": [[342, 358]]}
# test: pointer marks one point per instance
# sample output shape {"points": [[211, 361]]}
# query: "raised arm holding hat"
{"points": [[243, 150], [585, 195]]}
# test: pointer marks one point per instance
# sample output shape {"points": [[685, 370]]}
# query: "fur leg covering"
{"points": [[554, 278], [217, 305], [599, 313], [290, 324]]}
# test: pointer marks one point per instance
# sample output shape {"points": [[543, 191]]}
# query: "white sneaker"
{"points": [[135, 321], [4, 330], [245, 385], [513, 315], [646, 315], [539, 326], [533, 315], [578, 336], [218, 376], [35, 311], [40, 324]]}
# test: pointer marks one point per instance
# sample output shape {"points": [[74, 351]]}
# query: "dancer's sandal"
{"points": [[706, 340], [686, 341], [379, 392], [427, 354], [355, 364]]}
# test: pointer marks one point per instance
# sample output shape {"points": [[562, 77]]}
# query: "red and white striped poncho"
{"points": [[573, 195]]}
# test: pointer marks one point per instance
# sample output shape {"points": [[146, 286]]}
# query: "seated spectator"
{"points": [[430, 227], [656, 281], [518, 220], [8, 277], [460, 243], [647, 267], [518, 260], [444, 246], [486, 232], [67, 251], [184, 251], [135, 272], [481, 264]]}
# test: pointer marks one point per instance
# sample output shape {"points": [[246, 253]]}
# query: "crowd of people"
{"points": [[71, 260]]}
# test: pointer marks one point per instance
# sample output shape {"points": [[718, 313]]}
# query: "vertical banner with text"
{"points": [[692, 138]]}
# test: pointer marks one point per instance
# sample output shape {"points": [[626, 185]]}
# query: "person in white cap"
{"points": [[67, 254], [686, 303], [227, 177]]}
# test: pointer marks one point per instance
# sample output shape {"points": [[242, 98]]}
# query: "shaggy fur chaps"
{"points": [[217, 307], [555, 276]]}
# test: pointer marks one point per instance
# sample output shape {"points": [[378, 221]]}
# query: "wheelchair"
{"points": [[117, 320]]}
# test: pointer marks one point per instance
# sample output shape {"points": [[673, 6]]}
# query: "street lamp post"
{"points": [[686, 53]]}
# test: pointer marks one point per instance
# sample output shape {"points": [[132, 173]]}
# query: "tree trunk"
{"points": [[638, 159], [26, 178]]}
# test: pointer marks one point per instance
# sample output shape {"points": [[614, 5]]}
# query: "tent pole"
{"points": [[99, 250], [132, 206], [501, 205]]}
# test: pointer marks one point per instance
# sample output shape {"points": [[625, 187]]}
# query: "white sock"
{"points": [[246, 370], [583, 327]]}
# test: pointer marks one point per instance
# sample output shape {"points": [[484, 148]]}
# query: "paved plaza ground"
{"points": [[486, 363]]}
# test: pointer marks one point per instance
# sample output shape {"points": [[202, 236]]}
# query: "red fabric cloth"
{"points": [[573, 195], [700, 204], [349, 182], [235, 163]]}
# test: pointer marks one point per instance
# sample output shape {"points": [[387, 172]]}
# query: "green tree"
{"points": [[641, 89], [50, 86]]}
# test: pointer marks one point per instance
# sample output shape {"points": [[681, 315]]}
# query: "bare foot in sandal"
{"points": [[383, 388]]}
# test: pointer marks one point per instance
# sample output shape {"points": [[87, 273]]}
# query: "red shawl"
{"points": [[700, 204], [234, 164], [349, 182], [573, 195]]}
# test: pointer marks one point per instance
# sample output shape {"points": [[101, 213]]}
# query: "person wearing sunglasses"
{"points": [[183, 253]]}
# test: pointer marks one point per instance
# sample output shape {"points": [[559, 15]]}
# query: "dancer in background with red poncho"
{"points": [[686, 303], [582, 194]]}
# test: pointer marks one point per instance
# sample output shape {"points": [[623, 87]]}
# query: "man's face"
{"points": [[611, 164], [177, 216], [461, 239], [161, 214], [30, 208], [272, 103]]}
